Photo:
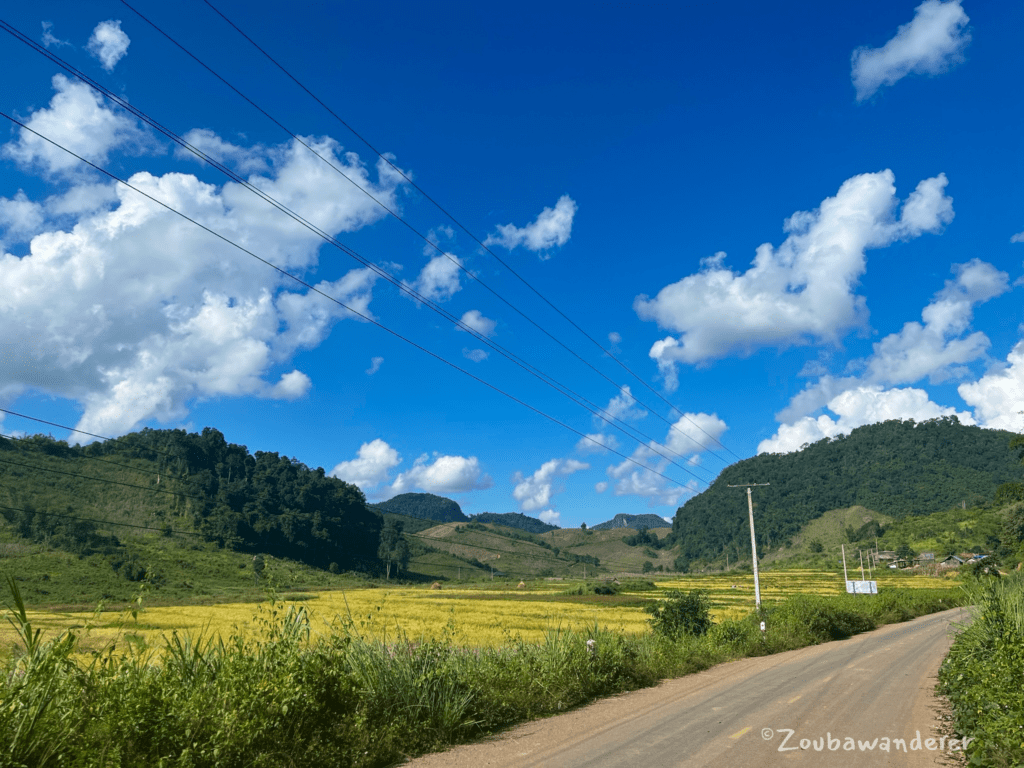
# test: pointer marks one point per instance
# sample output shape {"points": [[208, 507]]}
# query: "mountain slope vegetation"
{"points": [[897, 468], [515, 520], [171, 480], [425, 506], [636, 522]]}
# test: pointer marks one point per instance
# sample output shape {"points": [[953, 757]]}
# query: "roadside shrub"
{"points": [[811, 619], [681, 614]]}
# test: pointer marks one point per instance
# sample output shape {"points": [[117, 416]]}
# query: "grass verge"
{"points": [[984, 671]]}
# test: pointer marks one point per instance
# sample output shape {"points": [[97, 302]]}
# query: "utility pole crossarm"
{"points": [[753, 540]]}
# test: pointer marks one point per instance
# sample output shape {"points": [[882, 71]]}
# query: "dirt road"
{"points": [[834, 699]]}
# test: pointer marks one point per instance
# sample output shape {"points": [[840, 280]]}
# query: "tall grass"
{"points": [[984, 673], [280, 698]]}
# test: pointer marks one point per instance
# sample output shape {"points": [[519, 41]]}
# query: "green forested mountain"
{"points": [[636, 522], [899, 468], [515, 520], [188, 482], [425, 506]]}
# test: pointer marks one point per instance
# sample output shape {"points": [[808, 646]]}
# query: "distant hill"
{"points": [[636, 522], [898, 468], [515, 520], [425, 506]]}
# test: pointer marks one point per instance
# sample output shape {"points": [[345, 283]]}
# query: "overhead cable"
{"points": [[355, 312], [594, 409], [434, 245]]}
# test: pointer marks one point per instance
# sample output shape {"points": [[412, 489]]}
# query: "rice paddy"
{"points": [[486, 615]]}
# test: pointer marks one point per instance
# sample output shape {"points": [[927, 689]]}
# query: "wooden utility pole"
{"points": [[753, 539]]}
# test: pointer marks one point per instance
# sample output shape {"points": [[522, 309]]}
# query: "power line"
{"points": [[434, 245], [110, 522], [340, 303], [90, 458], [90, 434], [437, 205], [567, 392], [100, 479]]}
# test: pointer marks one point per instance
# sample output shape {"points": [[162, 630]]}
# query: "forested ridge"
{"points": [[636, 522], [425, 506], [180, 481], [515, 520], [899, 468]]}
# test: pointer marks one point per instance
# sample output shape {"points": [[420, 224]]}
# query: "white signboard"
{"points": [[862, 587]]}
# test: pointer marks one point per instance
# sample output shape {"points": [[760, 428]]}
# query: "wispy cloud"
{"points": [[551, 228], [931, 43]]}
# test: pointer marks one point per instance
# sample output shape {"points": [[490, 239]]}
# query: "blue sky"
{"points": [[787, 221]]}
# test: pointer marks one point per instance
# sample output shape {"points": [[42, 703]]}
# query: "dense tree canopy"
{"points": [[515, 520], [899, 468], [425, 506], [263, 502]]}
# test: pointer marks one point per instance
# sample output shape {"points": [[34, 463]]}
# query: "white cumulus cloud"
{"points": [[998, 396], [19, 218], [77, 119], [371, 466], [445, 474], [550, 517], [133, 339], [804, 290], [596, 442], [375, 364], [551, 228], [476, 321], [855, 408], [693, 433], [938, 348], [243, 160], [535, 491], [931, 43], [108, 44], [439, 279]]}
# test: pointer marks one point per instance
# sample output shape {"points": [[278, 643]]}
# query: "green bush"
{"points": [[681, 614]]}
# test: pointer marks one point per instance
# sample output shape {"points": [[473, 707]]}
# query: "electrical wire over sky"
{"points": [[348, 308], [721, 262]]}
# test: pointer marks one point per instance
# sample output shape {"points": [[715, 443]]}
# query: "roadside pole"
{"points": [[753, 543]]}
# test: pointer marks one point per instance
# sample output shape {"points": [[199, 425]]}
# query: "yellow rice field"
{"points": [[470, 616]]}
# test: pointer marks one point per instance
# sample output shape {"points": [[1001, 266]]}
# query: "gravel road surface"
{"points": [[833, 699]]}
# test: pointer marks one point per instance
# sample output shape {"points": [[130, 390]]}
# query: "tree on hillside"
{"points": [[905, 552], [393, 549]]}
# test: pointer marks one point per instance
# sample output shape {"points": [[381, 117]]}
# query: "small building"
{"points": [[951, 562], [886, 554], [926, 556]]}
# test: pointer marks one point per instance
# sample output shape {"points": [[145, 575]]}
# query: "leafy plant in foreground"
{"points": [[682, 614]]}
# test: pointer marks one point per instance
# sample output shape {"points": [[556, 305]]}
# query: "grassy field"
{"points": [[281, 690], [487, 614]]}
